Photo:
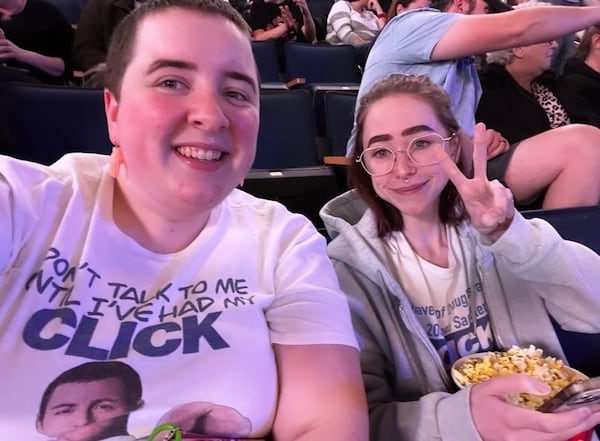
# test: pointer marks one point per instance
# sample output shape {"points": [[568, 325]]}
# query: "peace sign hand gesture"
{"points": [[489, 204]]}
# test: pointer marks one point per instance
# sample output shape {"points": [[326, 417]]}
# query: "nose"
{"points": [[403, 165], [206, 110], [80, 418]]}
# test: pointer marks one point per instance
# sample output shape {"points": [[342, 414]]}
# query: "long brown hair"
{"points": [[421, 87], [583, 50]]}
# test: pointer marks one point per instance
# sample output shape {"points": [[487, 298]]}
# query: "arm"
{"points": [[308, 28], [339, 19], [316, 402], [477, 34], [565, 274], [53, 66], [278, 31]]}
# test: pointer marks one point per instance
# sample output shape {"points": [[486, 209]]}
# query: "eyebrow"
{"points": [[178, 64], [408, 131]]}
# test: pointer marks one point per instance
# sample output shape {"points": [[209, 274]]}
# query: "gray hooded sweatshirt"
{"points": [[528, 273]]}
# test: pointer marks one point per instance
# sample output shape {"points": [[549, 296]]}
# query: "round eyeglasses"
{"points": [[379, 161]]}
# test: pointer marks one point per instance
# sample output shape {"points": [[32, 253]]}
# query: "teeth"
{"points": [[196, 153]]}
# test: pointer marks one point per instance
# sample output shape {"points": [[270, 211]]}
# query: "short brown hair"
{"points": [[421, 87], [120, 50]]}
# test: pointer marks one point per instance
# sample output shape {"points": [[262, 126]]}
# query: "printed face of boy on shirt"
{"points": [[86, 411]]}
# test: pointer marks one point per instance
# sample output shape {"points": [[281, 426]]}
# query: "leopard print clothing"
{"points": [[556, 113]]}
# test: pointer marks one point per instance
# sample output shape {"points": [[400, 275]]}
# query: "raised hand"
{"points": [[288, 18], [498, 420], [490, 205], [303, 6]]}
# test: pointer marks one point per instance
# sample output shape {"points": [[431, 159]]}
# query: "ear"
{"points": [[518, 51], [461, 6], [111, 108], [39, 426]]}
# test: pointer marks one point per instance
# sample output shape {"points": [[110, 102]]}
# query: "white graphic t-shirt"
{"points": [[100, 337], [448, 302]]}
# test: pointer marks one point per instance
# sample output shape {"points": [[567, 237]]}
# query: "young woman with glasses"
{"points": [[437, 265]]}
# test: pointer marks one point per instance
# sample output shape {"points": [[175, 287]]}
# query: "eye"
{"points": [[379, 153], [171, 83], [63, 410], [237, 95], [421, 144]]}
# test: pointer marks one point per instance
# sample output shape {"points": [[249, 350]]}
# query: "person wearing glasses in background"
{"points": [[438, 265]]}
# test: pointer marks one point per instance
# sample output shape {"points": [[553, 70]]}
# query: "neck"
{"points": [[521, 76], [428, 240], [150, 227], [593, 62]]}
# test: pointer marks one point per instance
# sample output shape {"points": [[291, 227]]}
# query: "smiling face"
{"points": [[187, 115], [86, 411], [394, 121]]}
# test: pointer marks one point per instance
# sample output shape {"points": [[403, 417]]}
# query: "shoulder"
{"points": [[341, 6], [425, 17], [264, 218], [77, 170]]}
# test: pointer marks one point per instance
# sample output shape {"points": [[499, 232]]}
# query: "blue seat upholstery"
{"points": [[41, 123], [339, 119], [286, 137], [322, 63], [266, 55]]}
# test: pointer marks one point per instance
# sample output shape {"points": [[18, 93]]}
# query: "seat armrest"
{"points": [[336, 160]]}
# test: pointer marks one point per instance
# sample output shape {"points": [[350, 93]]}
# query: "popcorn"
{"points": [[514, 361]]}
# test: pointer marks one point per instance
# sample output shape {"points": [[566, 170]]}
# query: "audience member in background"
{"points": [[97, 23], [522, 96], [153, 257], [441, 45], [35, 42], [438, 266], [582, 73], [281, 20], [355, 22]]}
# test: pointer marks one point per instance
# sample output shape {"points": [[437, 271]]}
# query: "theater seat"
{"points": [[41, 123]]}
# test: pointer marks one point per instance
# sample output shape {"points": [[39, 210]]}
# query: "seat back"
{"points": [[580, 224], [339, 119], [286, 137], [322, 63], [41, 123], [267, 60]]}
